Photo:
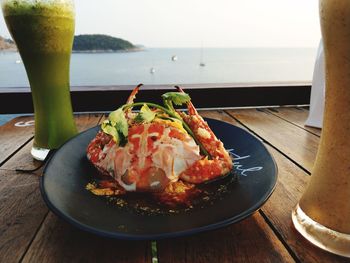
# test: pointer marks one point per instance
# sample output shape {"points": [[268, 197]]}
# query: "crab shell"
{"points": [[155, 155]]}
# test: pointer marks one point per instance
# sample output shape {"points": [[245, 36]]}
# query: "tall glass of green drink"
{"points": [[43, 31]]}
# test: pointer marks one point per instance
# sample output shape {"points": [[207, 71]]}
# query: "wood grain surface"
{"points": [[57, 241], [235, 243], [22, 211], [297, 116], [30, 233], [291, 140], [14, 134], [21, 208]]}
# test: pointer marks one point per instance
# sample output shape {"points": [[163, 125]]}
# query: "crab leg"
{"points": [[205, 169], [97, 148], [130, 101], [132, 95]]}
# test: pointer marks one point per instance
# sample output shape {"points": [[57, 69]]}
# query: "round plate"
{"points": [[68, 171]]}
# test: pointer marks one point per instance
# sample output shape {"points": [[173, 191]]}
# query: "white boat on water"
{"points": [[18, 61], [152, 70], [174, 58]]}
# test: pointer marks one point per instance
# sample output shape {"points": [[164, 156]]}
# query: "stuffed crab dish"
{"points": [[157, 149]]}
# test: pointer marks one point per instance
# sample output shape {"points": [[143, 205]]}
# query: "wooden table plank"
{"points": [[57, 241], [295, 115], [21, 207], [293, 141], [15, 134], [250, 240]]}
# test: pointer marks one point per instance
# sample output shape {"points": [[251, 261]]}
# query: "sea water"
{"points": [[156, 66]]}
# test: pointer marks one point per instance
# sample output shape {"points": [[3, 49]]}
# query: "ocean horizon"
{"points": [[156, 66]]}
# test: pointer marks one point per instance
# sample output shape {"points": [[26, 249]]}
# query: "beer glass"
{"points": [[44, 31], [323, 213]]}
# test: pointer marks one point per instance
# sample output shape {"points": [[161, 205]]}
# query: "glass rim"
{"points": [[21, 5]]}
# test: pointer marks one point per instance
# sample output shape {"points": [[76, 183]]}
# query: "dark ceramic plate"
{"points": [[68, 171]]}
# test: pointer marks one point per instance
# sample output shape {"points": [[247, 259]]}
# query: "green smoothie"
{"points": [[43, 32]]}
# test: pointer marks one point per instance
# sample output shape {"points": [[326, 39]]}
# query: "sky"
{"points": [[200, 23]]}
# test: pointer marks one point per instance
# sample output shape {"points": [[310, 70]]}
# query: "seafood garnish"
{"points": [[158, 147]]}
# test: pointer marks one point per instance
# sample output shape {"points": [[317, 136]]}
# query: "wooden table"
{"points": [[29, 232]]}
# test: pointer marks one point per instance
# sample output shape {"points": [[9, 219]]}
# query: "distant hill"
{"points": [[86, 43], [7, 44], [101, 43]]}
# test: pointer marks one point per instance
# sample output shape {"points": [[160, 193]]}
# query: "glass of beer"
{"points": [[323, 213], [44, 31]]}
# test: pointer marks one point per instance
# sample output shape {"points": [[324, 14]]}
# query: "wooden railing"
{"points": [[107, 98]]}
